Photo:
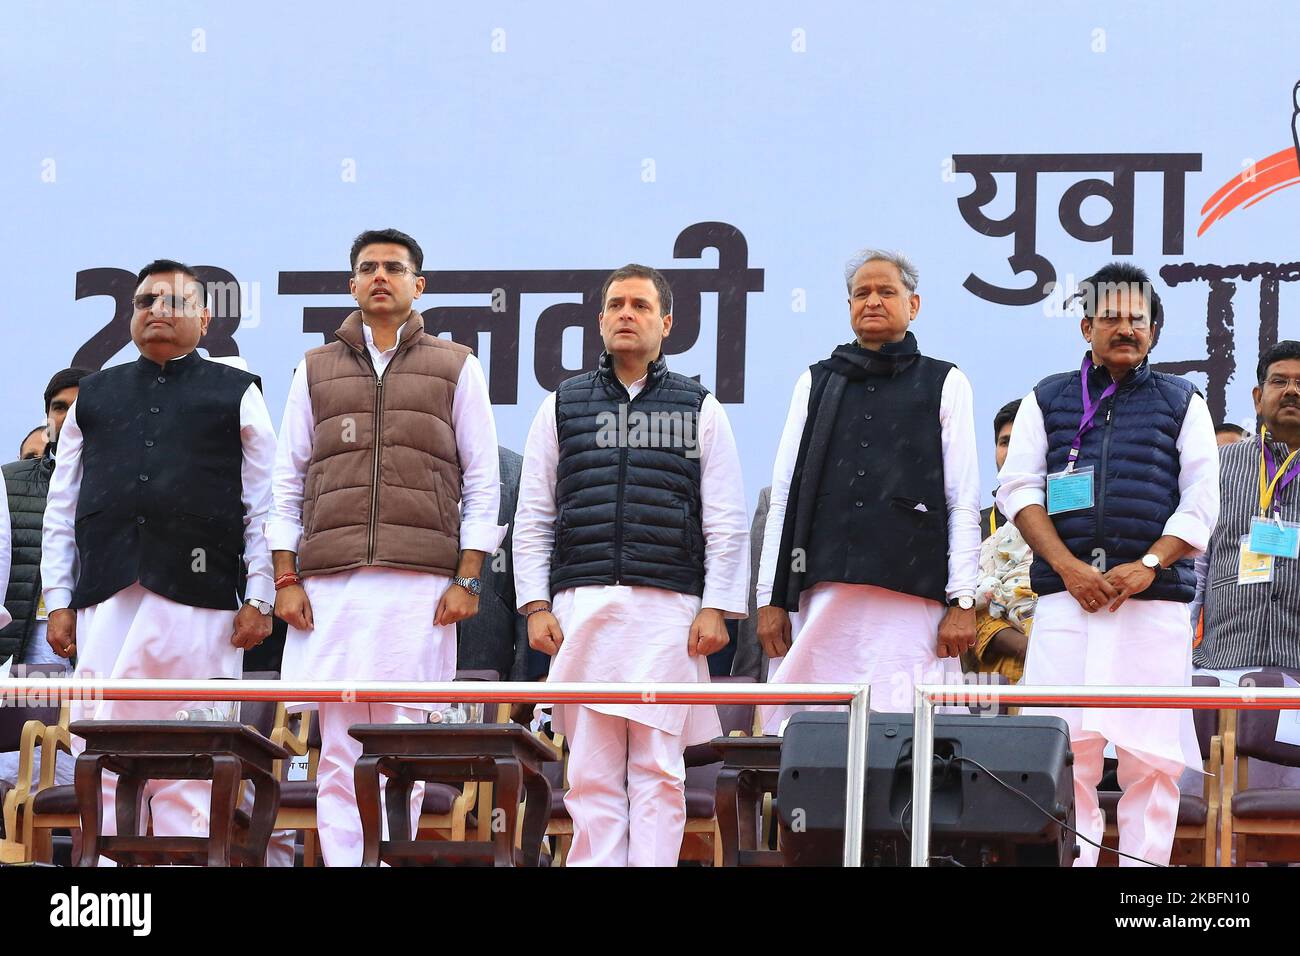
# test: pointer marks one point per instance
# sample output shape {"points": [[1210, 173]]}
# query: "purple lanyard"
{"points": [[1090, 409], [1271, 469]]}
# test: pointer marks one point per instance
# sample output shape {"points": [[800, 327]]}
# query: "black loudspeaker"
{"points": [[975, 821]]}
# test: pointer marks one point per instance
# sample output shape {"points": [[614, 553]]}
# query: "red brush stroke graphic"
{"points": [[1265, 178]]}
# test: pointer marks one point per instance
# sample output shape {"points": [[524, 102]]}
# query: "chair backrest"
{"points": [[12, 719], [259, 714], [735, 716], [732, 717], [38, 706], [1257, 729], [1205, 720], [485, 675], [51, 669], [983, 708]]}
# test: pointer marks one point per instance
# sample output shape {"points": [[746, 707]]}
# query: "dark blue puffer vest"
{"points": [[1133, 453], [627, 484]]}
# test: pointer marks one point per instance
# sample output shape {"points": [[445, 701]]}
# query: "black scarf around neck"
{"points": [[849, 362]]}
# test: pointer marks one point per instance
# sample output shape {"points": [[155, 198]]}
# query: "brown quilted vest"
{"points": [[383, 486]]}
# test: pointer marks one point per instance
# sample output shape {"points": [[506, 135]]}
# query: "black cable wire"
{"points": [[1030, 800], [951, 861]]}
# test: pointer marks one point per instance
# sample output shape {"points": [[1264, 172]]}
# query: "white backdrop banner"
{"points": [[746, 149]]}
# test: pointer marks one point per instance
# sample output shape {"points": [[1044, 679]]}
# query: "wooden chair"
{"points": [[560, 827], [446, 811], [38, 810], [299, 733], [23, 727], [1264, 820]]}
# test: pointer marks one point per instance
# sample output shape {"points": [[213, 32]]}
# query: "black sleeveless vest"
{"points": [[627, 484], [161, 490], [881, 515]]}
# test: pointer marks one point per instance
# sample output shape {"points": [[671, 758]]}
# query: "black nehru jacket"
{"points": [[881, 516], [867, 503], [161, 490]]}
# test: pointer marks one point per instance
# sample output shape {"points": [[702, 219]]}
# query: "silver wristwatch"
{"points": [[261, 606], [469, 584]]}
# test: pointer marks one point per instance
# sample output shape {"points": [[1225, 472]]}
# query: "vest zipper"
{"points": [[1101, 479], [374, 478], [618, 505]]}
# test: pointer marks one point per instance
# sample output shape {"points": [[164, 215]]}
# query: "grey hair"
{"points": [[896, 259]]}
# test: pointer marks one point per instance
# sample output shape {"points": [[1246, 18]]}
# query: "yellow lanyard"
{"points": [[1268, 488], [993, 521]]}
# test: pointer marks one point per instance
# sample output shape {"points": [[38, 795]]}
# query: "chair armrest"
{"points": [[284, 735], [33, 736], [287, 739]]}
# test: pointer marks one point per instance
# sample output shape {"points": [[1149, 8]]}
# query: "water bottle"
{"points": [[224, 711], [455, 714]]}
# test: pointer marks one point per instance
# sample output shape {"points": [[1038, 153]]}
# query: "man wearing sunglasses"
{"points": [[386, 491], [160, 490], [1112, 478]]}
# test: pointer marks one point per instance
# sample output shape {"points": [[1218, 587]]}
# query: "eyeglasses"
{"points": [[174, 303], [394, 269], [1138, 323], [1281, 382]]}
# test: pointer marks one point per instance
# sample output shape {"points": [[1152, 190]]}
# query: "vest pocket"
{"points": [[921, 512], [694, 541], [309, 509], [1215, 583], [443, 501], [79, 519], [563, 531]]}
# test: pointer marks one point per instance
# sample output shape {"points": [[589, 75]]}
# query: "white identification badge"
{"points": [[1271, 536], [1069, 491], [1252, 567], [41, 614]]}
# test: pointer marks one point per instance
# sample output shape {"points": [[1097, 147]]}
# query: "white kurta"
{"points": [[377, 623], [622, 633], [630, 634], [1144, 642], [855, 633]]}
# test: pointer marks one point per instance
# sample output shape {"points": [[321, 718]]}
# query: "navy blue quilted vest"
{"points": [[628, 498], [1134, 456]]}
